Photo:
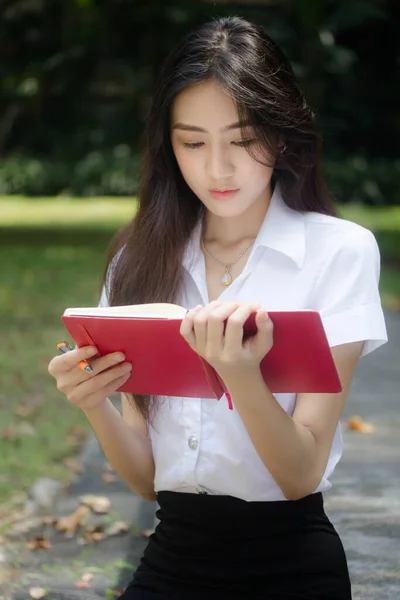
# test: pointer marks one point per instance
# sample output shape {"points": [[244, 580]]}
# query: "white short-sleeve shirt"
{"points": [[298, 261]]}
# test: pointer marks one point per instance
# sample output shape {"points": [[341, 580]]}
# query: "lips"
{"points": [[221, 194]]}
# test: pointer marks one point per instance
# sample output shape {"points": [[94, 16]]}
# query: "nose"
{"points": [[220, 166]]}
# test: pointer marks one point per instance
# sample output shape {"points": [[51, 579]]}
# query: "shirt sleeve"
{"points": [[347, 294]]}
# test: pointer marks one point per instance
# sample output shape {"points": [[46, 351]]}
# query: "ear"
{"points": [[281, 144]]}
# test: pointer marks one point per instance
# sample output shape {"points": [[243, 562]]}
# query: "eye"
{"points": [[244, 143], [192, 145]]}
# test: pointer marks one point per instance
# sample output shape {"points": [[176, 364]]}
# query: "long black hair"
{"points": [[243, 60]]}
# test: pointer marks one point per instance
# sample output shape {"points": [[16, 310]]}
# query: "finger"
{"points": [[216, 326], [101, 381], [110, 388], [187, 326], [106, 376], [65, 362], [263, 340], [101, 364], [234, 326], [200, 322]]}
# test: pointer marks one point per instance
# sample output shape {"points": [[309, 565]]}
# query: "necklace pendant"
{"points": [[226, 278]]}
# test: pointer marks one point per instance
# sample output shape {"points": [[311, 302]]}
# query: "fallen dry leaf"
{"points": [[74, 464], [94, 533], [147, 532], [26, 410], [77, 434], [15, 431], [85, 581], [38, 543], [357, 423], [98, 504], [37, 593], [9, 433], [70, 523], [117, 528], [48, 520], [109, 477]]}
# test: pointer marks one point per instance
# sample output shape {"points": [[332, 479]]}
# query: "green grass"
{"points": [[376, 218], [103, 213], [41, 275], [19, 210], [37, 284]]}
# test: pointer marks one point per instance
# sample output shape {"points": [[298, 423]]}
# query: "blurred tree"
{"points": [[77, 75]]}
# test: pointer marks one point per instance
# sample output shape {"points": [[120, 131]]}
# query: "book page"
{"points": [[157, 310]]}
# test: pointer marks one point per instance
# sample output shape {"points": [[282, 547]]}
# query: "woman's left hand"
{"points": [[203, 329]]}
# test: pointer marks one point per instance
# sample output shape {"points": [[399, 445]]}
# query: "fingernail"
{"points": [[91, 350], [196, 308]]}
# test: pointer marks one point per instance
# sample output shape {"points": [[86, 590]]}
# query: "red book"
{"points": [[165, 365]]}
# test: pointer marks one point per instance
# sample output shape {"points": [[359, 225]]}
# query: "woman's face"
{"points": [[211, 152]]}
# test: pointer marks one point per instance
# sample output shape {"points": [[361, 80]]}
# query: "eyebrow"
{"points": [[185, 127]]}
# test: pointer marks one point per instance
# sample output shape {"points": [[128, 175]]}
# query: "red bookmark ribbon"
{"points": [[230, 403]]}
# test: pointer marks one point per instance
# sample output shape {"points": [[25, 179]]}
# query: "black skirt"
{"points": [[208, 546]]}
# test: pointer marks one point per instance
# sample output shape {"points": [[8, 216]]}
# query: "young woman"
{"points": [[234, 217]]}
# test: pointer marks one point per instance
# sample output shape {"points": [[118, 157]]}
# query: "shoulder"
{"points": [[326, 225], [334, 237]]}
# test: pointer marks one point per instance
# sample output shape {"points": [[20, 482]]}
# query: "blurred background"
{"points": [[76, 78]]}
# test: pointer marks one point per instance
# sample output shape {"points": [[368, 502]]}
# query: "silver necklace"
{"points": [[226, 278]]}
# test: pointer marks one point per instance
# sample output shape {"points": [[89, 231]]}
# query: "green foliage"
{"points": [[115, 173], [108, 173], [357, 180], [77, 76], [33, 176]]}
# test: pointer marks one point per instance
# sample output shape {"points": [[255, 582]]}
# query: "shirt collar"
{"points": [[282, 230]]}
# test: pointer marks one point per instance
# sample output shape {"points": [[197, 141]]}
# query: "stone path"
{"points": [[364, 503]]}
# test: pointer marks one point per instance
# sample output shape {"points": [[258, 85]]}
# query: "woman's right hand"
{"points": [[83, 389]]}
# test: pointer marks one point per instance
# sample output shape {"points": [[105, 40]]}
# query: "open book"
{"points": [[160, 310], [165, 365]]}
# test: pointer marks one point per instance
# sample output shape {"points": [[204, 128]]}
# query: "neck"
{"points": [[228, 231]]}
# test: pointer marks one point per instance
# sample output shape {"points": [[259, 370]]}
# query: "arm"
{"points": [[294, 449], [126, 444]]}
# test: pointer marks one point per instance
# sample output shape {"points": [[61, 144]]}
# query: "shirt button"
{"points": [[193, 442]]}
